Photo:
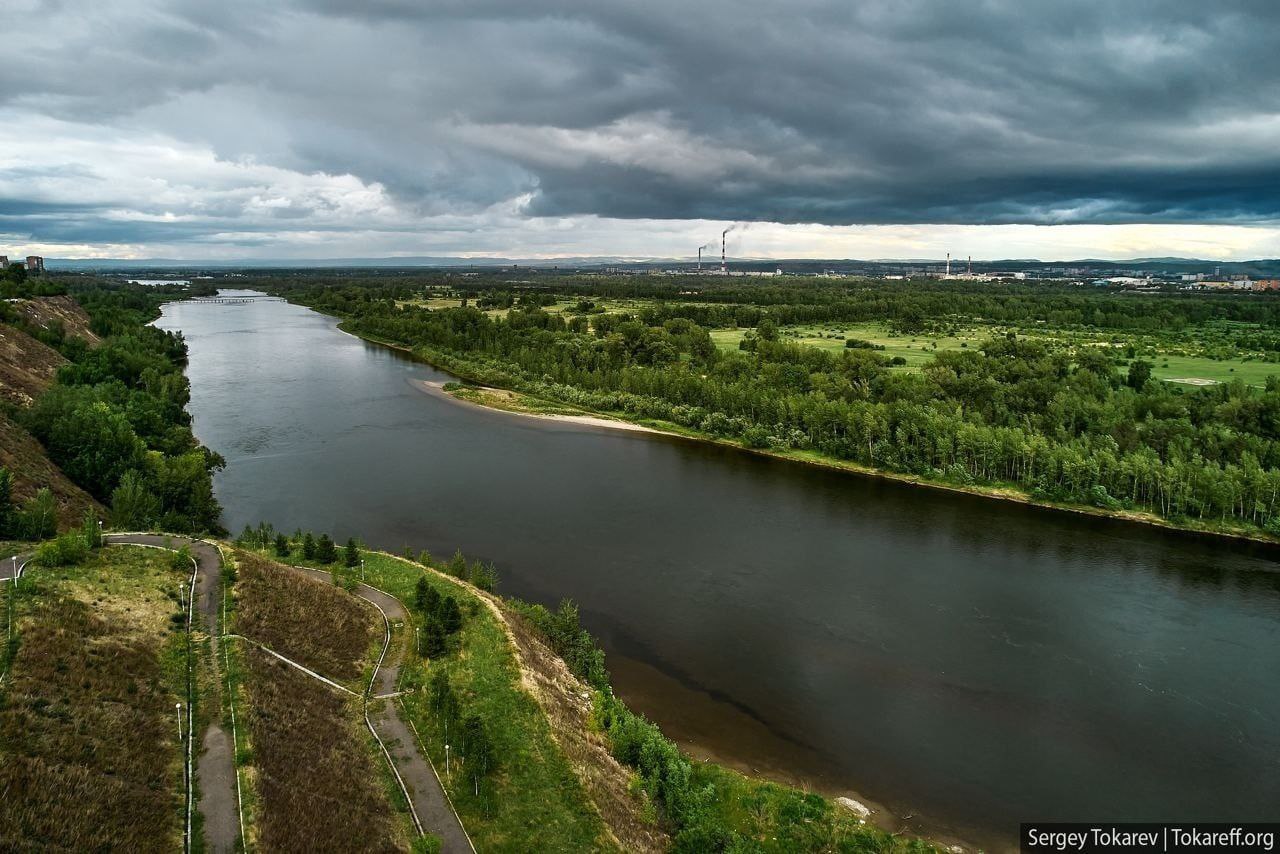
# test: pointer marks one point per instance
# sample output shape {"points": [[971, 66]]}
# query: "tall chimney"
{"points": [[970, 265], [699, 259], [724, 269], [948, 265]]}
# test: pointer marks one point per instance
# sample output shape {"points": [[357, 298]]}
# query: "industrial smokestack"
{"points": [[724, 268], [699, 259], [948, 265], [970, 265]]}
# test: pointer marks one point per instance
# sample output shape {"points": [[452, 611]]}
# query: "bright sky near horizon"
{"points": [[315, 128]]}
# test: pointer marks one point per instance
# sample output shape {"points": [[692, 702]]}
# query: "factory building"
{"points": [[35, 265]]}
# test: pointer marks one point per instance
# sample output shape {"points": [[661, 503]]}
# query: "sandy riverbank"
{"points": [[437, 389]]}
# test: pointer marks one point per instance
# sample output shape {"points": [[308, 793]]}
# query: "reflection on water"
{"points": [[970, 662]]}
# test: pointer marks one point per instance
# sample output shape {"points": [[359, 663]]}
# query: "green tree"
{"points": [[91, 530], [352, 553], [309, 546], [282, 545], [421, 594], [1139, 374], [457, 565], [38, 519], [133, 505], [450, 615], [326, 552], [434, 642]]}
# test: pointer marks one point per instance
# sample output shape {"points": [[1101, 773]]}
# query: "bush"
{"points": [[67, 550]]}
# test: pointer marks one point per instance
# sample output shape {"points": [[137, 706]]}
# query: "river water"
{"points": [[967, 663]]}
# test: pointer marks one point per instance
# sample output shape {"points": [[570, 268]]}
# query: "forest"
{"points": [[115, 419], [1053, 419]]}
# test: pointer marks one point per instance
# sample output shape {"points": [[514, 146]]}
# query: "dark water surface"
{"points": [[969, 662]]}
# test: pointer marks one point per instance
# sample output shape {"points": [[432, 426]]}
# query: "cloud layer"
{"points": [[420, 125]]}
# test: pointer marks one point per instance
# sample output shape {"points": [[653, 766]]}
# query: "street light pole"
{"points": [[361, 570], [417, 639]]}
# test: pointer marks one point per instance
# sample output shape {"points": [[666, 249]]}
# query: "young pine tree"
{"points": [[326, 552], [282, 545], [450, 615], [352, 554], [309, 546]]}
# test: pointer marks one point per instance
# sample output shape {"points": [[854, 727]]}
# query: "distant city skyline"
{"points": [[162, 128]]}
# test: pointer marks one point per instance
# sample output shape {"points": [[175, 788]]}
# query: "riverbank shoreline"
{"points": [[621, 422]]}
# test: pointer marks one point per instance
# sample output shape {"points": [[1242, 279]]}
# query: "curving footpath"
{"points": [[215, 767], [429, 802]]}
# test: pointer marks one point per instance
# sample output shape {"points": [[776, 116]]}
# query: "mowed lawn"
{"points": [[89, 751]]}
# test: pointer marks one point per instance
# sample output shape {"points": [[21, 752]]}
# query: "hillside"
{"points": [[27, 369], [58, 311], [27, 366]]}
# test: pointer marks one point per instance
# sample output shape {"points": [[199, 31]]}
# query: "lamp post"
{"points": [[417, 639], [178, 706], [446, 760], [361, 570]]}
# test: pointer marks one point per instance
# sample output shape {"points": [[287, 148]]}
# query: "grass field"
{"points": [[915, 349], [318, 783], [89, 750]]}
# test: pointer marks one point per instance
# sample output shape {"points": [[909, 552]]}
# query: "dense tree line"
{"points": [[1065, 423], [115, 421]]}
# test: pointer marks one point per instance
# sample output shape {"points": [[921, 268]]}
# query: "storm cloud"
{"points": [[189, 122]]}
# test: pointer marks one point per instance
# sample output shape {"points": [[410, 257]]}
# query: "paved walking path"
{"points": [[429, 800], [215, 766]]}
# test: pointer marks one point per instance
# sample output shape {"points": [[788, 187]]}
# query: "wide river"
{"points": [[967, 663]]}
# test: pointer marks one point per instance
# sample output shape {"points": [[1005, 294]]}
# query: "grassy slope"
{"points": [[317, 783], [89, 755], [536, 801]]}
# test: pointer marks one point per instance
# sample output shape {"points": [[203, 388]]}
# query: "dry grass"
{"points": [[89, 755], [44, 311], [318, 784], [27, 367], [566, 701], [315, 624]]}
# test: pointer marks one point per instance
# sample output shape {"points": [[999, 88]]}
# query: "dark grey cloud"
{"points": [[824, 111]]}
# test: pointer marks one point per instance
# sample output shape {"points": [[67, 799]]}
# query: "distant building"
{"points": [[35, 264], [4, 261], [1267, 285]]}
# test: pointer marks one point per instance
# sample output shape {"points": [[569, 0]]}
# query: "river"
{"points": [[967, 663]]}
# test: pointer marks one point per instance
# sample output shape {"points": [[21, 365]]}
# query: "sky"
{"points": [[530, 129]]}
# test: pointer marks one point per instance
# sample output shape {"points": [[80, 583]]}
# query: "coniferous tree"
{"points": [[326, 551], [450, 615], [308, 546], [352, 554], [420, 593], [282, 545], [435, 644]]}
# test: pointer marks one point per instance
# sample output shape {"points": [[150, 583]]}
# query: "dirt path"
{"points": [[215, 766], [418, 775]]}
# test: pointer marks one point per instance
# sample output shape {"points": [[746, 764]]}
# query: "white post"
{"points": [[446, 760], [178, 706], [361, 570], [417, 639]]}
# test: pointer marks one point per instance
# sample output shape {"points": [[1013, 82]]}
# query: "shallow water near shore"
{"points": [[968, 663]]}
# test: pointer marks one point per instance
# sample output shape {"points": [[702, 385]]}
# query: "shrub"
{"points": [[67, 550]]}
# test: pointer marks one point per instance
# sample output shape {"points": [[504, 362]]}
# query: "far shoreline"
{"points": [[989, 492]]}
